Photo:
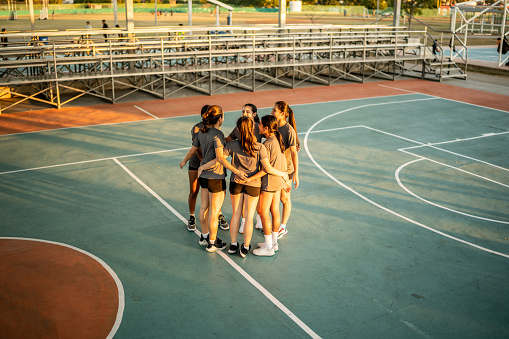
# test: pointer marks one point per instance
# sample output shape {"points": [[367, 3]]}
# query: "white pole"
{"points": [[190, 11], [115, 12], [31, 6], [155, 12], [129, 16], [282, 13], [377, 7], [217, 15]]}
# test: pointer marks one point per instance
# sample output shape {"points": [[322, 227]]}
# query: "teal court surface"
{"points": [[399, 226]]}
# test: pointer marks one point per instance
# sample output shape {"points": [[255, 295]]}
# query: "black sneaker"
{"points": [[222, 223], [233, 248], [243, 252], [191, 224], [217, 246], [203, 241]]}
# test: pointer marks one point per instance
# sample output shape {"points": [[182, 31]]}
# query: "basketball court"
{"points": [[399, 227]]}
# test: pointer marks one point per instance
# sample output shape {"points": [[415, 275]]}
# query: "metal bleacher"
{"points": [[164, 61]]}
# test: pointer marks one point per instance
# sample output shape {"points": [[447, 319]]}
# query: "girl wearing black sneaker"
{"points": [[192, 172], [248, 156], [250, 111], [211, 141], [288, 131]]}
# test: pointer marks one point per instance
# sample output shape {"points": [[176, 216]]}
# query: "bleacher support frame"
{"points": [[164, 61]]}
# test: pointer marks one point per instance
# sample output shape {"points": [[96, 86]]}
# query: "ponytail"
{"points": [[247, 138], [211, 117], [270, 122], [291, 121]]}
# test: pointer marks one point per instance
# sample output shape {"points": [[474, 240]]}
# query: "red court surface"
{"points": [[48, 119], [59, 292]]}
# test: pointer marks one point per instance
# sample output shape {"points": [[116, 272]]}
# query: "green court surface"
{"points": [[399, 227]]}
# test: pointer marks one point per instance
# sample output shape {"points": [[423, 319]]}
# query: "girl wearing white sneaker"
{"points": [[288, 131], [250, 111], [211, 141], [271, 187]]}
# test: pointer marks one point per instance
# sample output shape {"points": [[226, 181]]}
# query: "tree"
{"points": [[371, 4], [414, 7]]}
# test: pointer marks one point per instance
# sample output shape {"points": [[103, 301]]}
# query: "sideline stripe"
{"points": [[102, 159], [197, 115], [396, 174], [399, 89], [373, 202], [239, 269], [462, 102], [141, 109], [120, 288]]}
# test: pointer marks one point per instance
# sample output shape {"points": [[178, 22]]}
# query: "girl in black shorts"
{"points": [[192, 172], [211, 141], [250, 111]]}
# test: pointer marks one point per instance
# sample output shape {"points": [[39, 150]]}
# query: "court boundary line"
{"points": [[197, 115], [239, 269], [463, 102], [397, 176], [118, 282], [141, 109], [340, 183]]}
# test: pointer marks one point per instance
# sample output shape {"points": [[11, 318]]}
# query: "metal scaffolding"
{"points": [[74, 64], [487, 20]]}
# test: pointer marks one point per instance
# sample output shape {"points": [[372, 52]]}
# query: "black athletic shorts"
{"points": [[192, 168], [213, 185], [236, 188]]}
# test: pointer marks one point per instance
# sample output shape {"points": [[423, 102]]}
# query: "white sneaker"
{"points": [[275, 247], [282, 232], [263, 252], [258, 225], [241, 228]]}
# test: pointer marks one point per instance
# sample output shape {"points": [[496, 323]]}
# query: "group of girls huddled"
{"points": [[259, 178]]}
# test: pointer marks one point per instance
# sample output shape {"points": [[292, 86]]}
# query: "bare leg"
{"points": [[287, 206], [249, 210], [263, 210], [204, 211], [237, 210], [194, 188], [274, 210], [216, 201]]}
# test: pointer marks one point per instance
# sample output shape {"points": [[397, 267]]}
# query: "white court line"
{"points": [[378, 205], [399, 89], [462, 102], [94, 160], [141, 109], [269, 296], [457, 168], [120, 288], [123, 156], [190, 115], [435, 204]]}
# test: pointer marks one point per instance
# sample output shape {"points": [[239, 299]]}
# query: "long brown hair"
{"points": [[285, 108], [255, 112], [270, 123], [247, 138], [211, 116]]}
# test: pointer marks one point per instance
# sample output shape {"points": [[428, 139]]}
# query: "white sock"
{"points": [[234, 243], [247, 248], [258, 221], [268, 241], [191, 215], [205, 235], [274, 238], [282, 226], [212, 241]]}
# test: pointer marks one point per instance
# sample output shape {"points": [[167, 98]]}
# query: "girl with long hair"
{"points": [[211, 141], [250, 111], [288, 131], [271, 186]]}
